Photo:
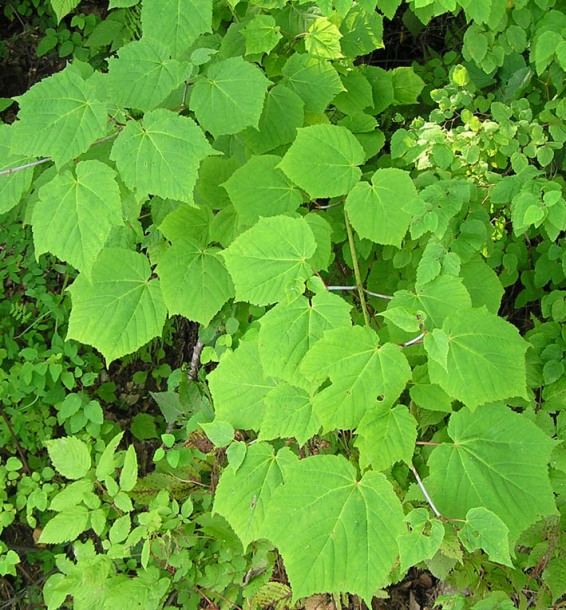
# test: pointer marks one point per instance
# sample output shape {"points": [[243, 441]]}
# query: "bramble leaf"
{"points": [[360, 370], [194, 281], [12, 186], [59, 117], [264, 268], [323, 160], [229, 97], [177, 23], [239, 385], [485, 360], [485, 530], [76, 212], [161, 154], [377, 211], [143, 75], [314, 80], [243, 495], [282, 114], [65, 526], [498, 460], [288, 414], [121, 309], [385, 437], [70, 456], [335, 533], [304, 322], [259, 188]]}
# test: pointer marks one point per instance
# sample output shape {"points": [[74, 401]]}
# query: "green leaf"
{"points": [[282, 114], [176, 23], [161, 154], [498, 460], [335, 533], [76, 212], [545, 49], [358, 95], [485, 360], [220, 433], [482, 284], [238, 386], [194, 281], [314, 80], [259, 188], [323, 160], [261, 34], [323, 39], [437, 299], [363, 32], [304, 322], [65, 526], [129, 472], [70, 456], [120, 529], [59, 117], [12, 186], [264, 268], [554, 576], [121, 309], [360, 369], [107, 462], [485, 530], [144, 75], [187, 222], [431, 397], [378, 211], [243, 495], [407, 86], [288, 414], [417, 545], [385, 437], [61, 8], [229, 97]]}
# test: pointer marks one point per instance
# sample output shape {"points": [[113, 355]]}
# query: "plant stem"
{"points": [[425, 492], [356, 269]]}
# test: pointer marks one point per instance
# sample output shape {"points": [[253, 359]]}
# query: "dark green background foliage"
{"points": [[283, 305]]}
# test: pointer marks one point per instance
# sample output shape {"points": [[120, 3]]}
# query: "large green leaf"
{"points": [[161, 154], [70, 456], [239, 385], [66, 526], [323, 160], [323, 39], [59, 117], [176, 23], [485, 358], [194, 281], [187, 222], [282, 114], [335, 533], [386, 436], [419, 545], [314, 80], [485, 530], [259, 188], [378, 211], [12, 186], [121, 308], [304, 321], [288, 414], [270, 259], [243, 494], [261, 34], [229, 97], [498, 460], [144, 75], [76, 212], [360, 368]]}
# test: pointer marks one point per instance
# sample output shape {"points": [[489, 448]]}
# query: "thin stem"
{"points": [[378, 295], [19, 448], [7, 172], [195, 360], [341, 288], [415, 340], [425, 492], [356, 269], [427, 443]]}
